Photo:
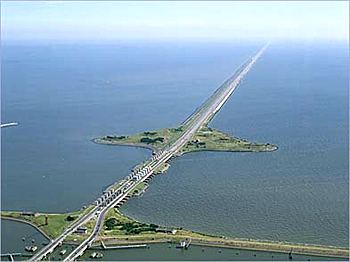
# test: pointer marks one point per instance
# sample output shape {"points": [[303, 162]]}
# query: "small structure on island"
{"points": [[166, 230], [28, 214]]}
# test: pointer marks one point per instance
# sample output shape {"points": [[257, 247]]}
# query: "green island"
{"points": [[205, 139]]}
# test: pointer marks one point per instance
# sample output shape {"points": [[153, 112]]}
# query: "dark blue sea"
{"points": [[296, 96]]}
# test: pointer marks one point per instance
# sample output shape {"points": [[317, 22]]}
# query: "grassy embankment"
{"points": [[206, 138], [127, 230], [57, 223], [155, 140]]}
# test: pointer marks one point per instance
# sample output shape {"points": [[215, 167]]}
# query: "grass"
{"points": [[204, 239], [126, 229], [57, 223], [207, 138], [139, 189], [162, 168], [81, 237], [157, 139], [125, 226]]}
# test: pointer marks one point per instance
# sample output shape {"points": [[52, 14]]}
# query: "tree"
{"points": [[70, 218]]}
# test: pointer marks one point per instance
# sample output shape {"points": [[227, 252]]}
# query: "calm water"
{"points": [[296, 97], [11, 237], [161, 252], [65, 95]]}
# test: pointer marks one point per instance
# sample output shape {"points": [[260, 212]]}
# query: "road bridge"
{"points": [[113, 197]]}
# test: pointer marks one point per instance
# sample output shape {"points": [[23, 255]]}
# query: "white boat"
{"points": [[31, 248], [182, 244], [9, 124]]}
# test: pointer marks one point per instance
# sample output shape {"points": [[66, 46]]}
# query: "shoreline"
{"points": [[202, 239], [99, 141], [234, 243], [153, 149], [265, 246], [28, 223], [264, 250], [225, 151]]}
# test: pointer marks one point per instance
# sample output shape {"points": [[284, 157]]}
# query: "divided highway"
{"points": [[112, 197]]}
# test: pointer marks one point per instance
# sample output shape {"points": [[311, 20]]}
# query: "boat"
{"points": [[96, 255], [9, 124], [31, 248], [182, 244]]}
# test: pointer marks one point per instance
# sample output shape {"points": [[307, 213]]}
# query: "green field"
{"points": [[116, 224], [210, 139], [157, 139], [57, 223], [162, 168], [206, 138]]}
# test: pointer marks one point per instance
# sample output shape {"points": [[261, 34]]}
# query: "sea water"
{"points": [[295, 97]]}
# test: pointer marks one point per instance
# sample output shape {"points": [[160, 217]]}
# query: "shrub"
{"points": [[148, 140], [150, 133], [70, 218], [110, 223]]}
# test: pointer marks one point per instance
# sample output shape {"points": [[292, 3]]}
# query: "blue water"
{"points": [[65, 95], [296, 96], [15, 236]]}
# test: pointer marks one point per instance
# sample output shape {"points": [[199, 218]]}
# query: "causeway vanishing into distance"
{"points": [[174, 131], [192, 135]]}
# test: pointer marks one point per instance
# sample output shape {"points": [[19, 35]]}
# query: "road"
{"points": [[112, 198]]}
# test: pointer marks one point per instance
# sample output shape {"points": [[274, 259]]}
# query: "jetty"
{"points": [[11, 256]]}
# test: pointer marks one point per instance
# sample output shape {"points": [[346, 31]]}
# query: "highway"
{"points": [[112, 197]]}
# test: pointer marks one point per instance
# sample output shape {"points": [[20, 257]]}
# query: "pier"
{"points": [[12, 255], [104, 247]]}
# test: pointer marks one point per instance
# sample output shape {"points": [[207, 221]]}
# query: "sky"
{"points": [[115, 20]]}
